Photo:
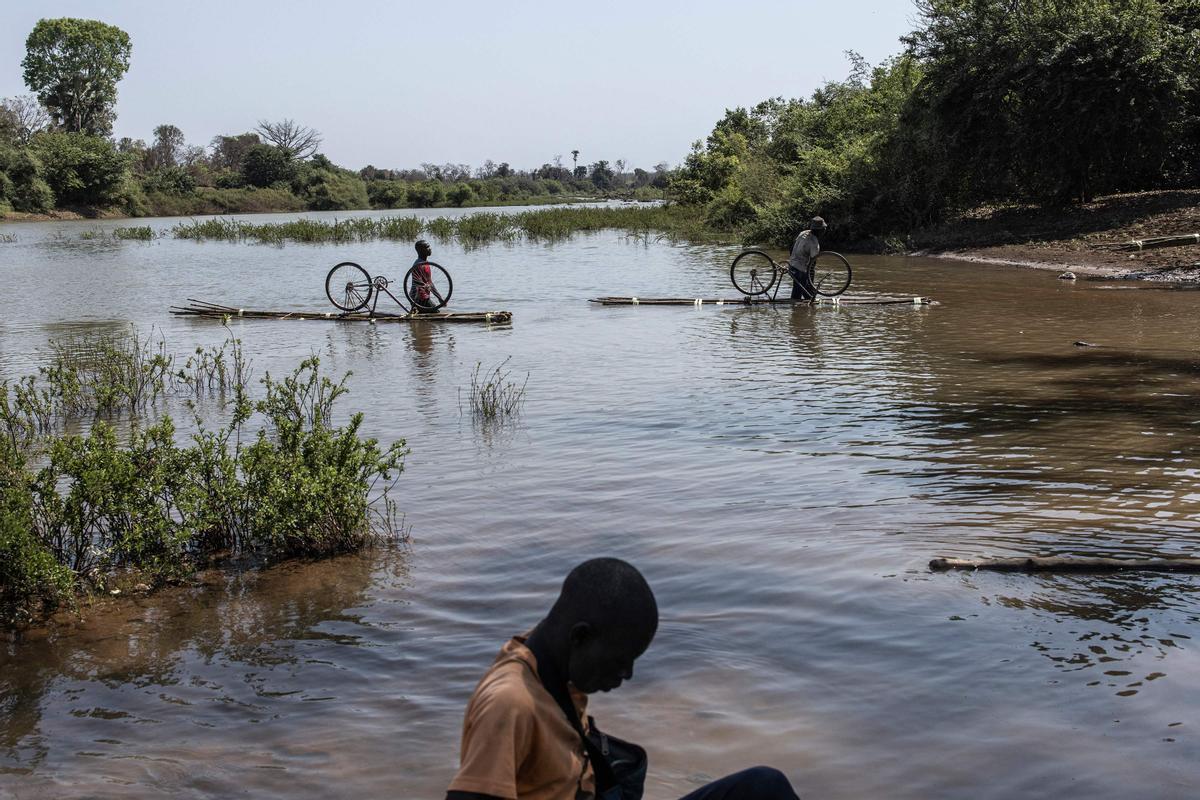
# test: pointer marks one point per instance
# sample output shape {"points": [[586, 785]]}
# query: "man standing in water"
{"points": [[527, 735], [805, 250], [422, 297]]}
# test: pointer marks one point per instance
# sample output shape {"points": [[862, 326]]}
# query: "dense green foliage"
{"points": [[993, 100], [82, 169], [74, 65], [131, 501]]}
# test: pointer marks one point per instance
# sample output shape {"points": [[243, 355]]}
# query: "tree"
{"points": [[168, 150], [73, 66], [21, 183], [602, 176], [82, 170], [294, 140], [575, 160], [21, 117], [460, 193], [263, 165], [228, 151]]}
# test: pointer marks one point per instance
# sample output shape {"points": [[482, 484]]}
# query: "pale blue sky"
{"points": [[396, 84]]}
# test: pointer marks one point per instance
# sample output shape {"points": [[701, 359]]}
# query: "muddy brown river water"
{"points": [[782, 476]]}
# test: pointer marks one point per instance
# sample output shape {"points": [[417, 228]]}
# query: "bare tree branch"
{"points": [[26, 115], [296, 140]]}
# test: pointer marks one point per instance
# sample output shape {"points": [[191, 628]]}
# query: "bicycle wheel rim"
{"points": [[831, 274], [753, 273], [440, 287], [348, 286]]}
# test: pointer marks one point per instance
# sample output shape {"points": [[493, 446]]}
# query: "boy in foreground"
{"points": [[526, 732]]}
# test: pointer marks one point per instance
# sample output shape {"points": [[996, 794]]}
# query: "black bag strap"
{"points": [[605, 779]]}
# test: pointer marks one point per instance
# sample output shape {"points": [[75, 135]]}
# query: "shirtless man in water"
{"points": [[527, 735]]}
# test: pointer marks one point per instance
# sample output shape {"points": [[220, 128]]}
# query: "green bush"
{"points": [[460, 194], [109, 510], [22, 185], [32, 581], [169, 180], [332, 190], [426, 194], [82, 170], [310, 478], [264, 165]]}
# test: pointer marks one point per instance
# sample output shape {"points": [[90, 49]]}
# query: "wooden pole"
{"points": [[1068, 564]]}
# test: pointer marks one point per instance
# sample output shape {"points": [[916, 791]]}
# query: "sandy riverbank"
{"points": [[1086, 239]]}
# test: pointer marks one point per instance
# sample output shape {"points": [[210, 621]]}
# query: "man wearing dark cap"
{"points": [[527, 735], [805, 250]]}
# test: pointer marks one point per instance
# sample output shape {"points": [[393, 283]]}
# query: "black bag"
{"points": [[620, 766]]}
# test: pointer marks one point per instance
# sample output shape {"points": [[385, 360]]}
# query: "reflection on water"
{"points": [[781, 475]]}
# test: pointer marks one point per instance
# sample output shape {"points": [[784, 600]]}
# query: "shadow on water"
{"points": [[161, 662], [1117, 624]]}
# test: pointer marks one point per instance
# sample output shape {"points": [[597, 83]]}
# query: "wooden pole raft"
{"points": [[841, 300], [1067, 564], [199, 308]]}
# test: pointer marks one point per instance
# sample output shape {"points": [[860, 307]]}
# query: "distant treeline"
{"points": [[56, 151], [991, 101]]}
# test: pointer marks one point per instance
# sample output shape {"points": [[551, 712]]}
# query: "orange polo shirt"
{"points": [[517, 743]]}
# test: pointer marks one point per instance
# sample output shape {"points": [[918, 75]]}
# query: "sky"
{"points": [[397, 84]]}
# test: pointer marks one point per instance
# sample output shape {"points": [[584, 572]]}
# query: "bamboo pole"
{"points": [[842, 300], [1068, 564], [213, 311], [1181, 240]]}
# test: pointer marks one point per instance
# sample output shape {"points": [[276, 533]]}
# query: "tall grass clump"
{"points": [[485, 227], [400, 228], [109, 509], [494, 395], [108, 373], [7, 238], [140, 233]]}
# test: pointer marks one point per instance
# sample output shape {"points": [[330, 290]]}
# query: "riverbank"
{"points": [[242, 201], [1085, 239]]}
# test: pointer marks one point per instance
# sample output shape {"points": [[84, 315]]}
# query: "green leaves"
{"points": [[73, 66], [143, 504]]}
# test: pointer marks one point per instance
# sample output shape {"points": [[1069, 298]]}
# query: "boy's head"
{"points": [[817, 225], [423, 249], [608, 616]]}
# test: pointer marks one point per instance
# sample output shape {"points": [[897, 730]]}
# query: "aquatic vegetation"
{"points": [[441, 228], [109, 509], [141, 233], [7, 238], [214, 371], [107, 373], [471, 230], [494, 395]]}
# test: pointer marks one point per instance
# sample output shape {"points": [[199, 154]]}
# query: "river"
{"points": [[781, 476]]}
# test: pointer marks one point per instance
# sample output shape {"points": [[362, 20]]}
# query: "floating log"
{"points": [[1181, 240], [200, 308], [841, 300], [1068, 564]]}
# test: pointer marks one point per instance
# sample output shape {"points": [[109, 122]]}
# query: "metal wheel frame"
{"points": [[409, 285], [840, 261], [754, 274], [349, 288]]}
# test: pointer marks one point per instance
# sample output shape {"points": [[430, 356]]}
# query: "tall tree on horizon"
{"points": [[73, 66]]}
